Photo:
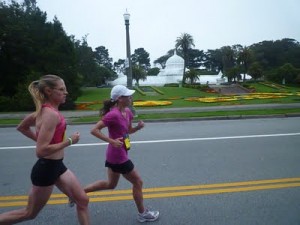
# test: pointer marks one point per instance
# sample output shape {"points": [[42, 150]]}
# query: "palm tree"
{"points": [[138, 73], [228, 61], [192, 75], [184, 43], [245, 58]]}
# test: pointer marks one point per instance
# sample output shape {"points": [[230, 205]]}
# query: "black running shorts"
{"points": [[122, 168], [45, 172]]}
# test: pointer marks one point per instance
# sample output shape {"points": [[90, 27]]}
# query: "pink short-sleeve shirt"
{"points": [[118, 126]]}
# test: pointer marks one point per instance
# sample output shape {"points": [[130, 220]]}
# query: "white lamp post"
{"points": [[128, 53]]}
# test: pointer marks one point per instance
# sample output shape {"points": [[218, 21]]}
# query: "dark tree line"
{"points": [[272, 60], [31, 47]]}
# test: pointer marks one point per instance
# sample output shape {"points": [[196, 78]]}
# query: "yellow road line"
{"points": [[167, 192]]}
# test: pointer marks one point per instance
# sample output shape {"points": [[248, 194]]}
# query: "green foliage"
{"points": [[162, 60], [194, 86], [255, 71], [192, 75], [184, 43], [288, 73], [196, 58], [278, 59], [31, 45], [171, 85], [140, 58], [5, 104], [138, 73], [153, 71], [102, 57]]}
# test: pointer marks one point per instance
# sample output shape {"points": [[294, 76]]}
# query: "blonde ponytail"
{"points": [[37, 90]]}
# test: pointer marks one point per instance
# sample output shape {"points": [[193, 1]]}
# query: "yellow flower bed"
{"points": [[240, 97], [212, 99], [151, 103], [246, 98]]}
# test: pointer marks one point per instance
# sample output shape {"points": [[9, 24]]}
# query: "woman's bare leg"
{"points": [[37, 199], [69, 184], [137, 186], [110, 183]]}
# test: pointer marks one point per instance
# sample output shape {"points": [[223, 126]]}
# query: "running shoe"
{"points": [[148, 216]]}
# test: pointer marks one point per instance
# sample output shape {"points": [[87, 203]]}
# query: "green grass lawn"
{"points": [[177, 96]]}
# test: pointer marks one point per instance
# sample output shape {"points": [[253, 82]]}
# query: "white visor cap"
{"points": [[120, 90]]}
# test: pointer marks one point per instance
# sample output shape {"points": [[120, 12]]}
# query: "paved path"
{"points": [[77, 114]]}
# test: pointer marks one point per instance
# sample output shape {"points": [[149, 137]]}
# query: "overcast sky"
{"points": [[156, 24]]}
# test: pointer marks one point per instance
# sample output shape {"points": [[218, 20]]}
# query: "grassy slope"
{"points": [[177, 96]]}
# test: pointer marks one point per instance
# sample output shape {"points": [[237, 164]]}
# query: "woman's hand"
{"points": [[117, 143], [75, 137], [140, 125]]}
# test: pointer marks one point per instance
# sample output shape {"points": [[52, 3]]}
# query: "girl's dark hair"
{"points": [[107, 104]]}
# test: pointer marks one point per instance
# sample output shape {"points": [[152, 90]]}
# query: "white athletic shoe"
{"points": [[148, 216]]}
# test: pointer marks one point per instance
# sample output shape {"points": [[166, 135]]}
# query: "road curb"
{"points": [[231, 117]]}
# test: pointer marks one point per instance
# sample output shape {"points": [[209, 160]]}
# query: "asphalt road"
{"points": [[227, 172]]}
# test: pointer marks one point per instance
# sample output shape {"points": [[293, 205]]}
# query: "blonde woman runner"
{"points": [[49, 170]]}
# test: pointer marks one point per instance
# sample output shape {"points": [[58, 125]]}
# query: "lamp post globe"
{"points": [[128, 53]]}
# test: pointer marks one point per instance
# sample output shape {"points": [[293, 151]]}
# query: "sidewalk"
{"points": [[78, 114]]}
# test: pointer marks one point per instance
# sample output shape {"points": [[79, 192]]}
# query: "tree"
{"points": [[119, 66], [153, 71], [255, 70], [138, 73], [228, 62], [141, 57], [87, 66], [163, 59], [184, 43], [195, 58], [213, 60], [192, 75], [17, 37], [105, 75], [273, 54], [244, 59], [102, 57], [233, 73], [288, 73], [29, 4], [31, 47]]}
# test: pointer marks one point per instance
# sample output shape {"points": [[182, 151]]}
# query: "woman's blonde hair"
{"points": [[37, 90]]}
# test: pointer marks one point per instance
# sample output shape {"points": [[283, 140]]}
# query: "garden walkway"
{"points": [[230, 89]]}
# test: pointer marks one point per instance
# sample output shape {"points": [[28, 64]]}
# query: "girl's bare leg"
{"points": [[69, 184], [37, 199]]}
